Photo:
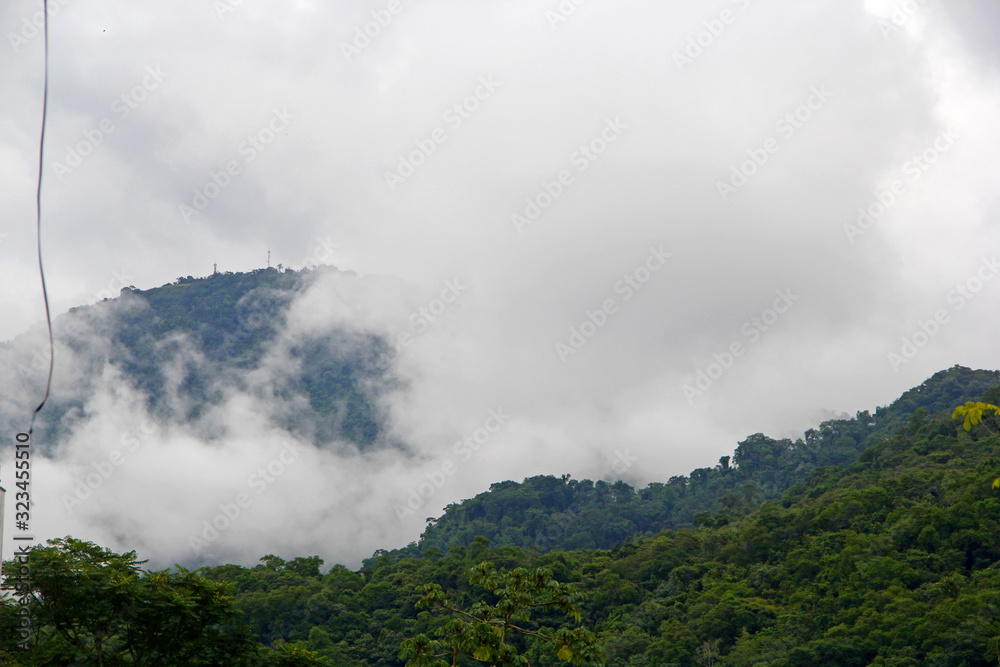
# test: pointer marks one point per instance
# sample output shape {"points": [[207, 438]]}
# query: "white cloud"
{"points": [[892, 93]]}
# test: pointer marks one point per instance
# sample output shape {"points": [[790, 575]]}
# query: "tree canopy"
{"points": [[89, 605]]}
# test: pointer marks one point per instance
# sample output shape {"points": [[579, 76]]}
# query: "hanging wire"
{"points": [[38, 218]]}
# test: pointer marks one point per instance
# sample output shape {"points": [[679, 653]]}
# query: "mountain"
{"points": [[873, 540], [549, 513], [892, 560], [181, 349], [183, 346]]}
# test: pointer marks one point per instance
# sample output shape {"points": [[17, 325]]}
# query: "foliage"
{"points": [[888, 558], [891, 560], [487, 632], [548, 513], [973, 412], [89, 605]]}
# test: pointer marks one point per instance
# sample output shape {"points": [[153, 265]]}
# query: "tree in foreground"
{"points": [[490, 633], [90, 606], [974, 413]]}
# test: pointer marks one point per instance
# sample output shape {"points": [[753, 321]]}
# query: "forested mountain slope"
{"points": [[892, 560], [547, 512], [183, 346]]}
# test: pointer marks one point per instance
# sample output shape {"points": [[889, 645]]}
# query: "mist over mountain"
{"points": [[168, 404], [213, 418], [675, 299], [185, 347], [546, 513], [887, 560]]}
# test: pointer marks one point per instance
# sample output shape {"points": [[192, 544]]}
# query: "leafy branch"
{"points": [[974, 411], [485, 632]]}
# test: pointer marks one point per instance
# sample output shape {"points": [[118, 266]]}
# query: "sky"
{"points": [[614, 238]]}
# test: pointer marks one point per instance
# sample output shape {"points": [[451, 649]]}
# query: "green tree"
{"points": [[486, 633], [89, 605]]}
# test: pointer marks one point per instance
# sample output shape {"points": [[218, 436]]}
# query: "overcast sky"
{"points": [[654, 228]]}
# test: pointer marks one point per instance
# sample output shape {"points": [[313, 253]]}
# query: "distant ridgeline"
{"points": [[185, 344], [550, 513]]}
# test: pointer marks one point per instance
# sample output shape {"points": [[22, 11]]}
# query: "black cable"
{"points": [[38, 219]]}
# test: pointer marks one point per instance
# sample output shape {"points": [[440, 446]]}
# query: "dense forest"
{"points": [[547, 512], [883, 551]]}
